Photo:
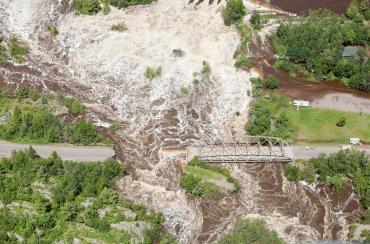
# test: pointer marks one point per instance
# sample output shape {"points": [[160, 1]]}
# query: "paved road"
{"points": [[301, 152], [66, 152]]}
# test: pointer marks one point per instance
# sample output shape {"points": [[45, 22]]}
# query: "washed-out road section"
{"points": [[66, 152]]}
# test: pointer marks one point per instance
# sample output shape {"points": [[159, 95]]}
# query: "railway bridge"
{"points": [[253, 149]]}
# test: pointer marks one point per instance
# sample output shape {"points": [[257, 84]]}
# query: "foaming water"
{"points": [[160, 117], [297, 211]]}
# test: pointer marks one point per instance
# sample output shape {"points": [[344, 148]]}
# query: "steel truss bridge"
{"points": [[253, 149]]}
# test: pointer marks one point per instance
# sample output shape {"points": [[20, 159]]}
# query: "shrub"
{"points": [[284, 65], [151, 73], [341, 122], [256, 82], [4, 57], [87, 7], [250, 231], [209, 190], [353, 9], [206, 70], [366, 217], [115, 126], [127, 3], [256, 20], [106, 8], [34, 95], [234, 12], [365, 235], [83, 132], [271, 82], [22, 92], [190, 184], [120, 27], [184, 90], [337, 181], [292, 172], [351, 230], [17, 50], [243, 62], [73, 105], [53, 30]]}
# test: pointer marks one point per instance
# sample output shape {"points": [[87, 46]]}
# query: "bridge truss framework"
{"points": [[254, 149]]}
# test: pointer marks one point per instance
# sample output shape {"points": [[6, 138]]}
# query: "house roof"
{"points": [[349, 51]]}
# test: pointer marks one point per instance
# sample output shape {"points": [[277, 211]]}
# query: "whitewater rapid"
{"points": [[106, 69]]}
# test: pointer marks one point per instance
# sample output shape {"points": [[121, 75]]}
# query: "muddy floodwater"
{"points": [[160, 117], [302, 6], [322, 94]]}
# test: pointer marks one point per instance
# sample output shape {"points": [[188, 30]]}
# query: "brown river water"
{"points": [[297, 211], [302, 6]]}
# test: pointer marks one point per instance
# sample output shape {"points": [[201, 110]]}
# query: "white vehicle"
{"points": [[354, 141]]}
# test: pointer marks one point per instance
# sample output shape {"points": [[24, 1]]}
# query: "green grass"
{"points": [[206, 181], [316, 125], [319, 125], [84, 232], [204, 174]]}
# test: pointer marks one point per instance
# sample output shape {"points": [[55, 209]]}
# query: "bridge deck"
{"points": [[272, 150]]}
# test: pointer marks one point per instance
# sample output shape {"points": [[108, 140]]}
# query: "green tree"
{"points": [[341, 122], [271, 82], [256, 20], [83, 132], [353, 9], [250, 231], [234, 12], [127, 3], [87, 7], [22, 92], [292, 172], [364, 7]]}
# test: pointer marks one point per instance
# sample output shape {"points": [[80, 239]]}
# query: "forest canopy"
{"points": [[55, 201], [337, 170], [317, 43]]}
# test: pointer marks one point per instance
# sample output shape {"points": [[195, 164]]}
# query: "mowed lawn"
{"points": [[317, 125]]}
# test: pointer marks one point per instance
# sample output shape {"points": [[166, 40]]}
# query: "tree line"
{"points": [[92, 7], [316, 43], [337, 170], [27, 117], [70, 185]]}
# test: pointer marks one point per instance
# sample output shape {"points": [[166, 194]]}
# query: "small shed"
{"points": [[349, 52], [354, 140], [301, 103]]}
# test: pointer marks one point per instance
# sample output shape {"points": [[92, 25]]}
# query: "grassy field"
{"points": [[315, 125], [204, 174], [210, 176]]}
